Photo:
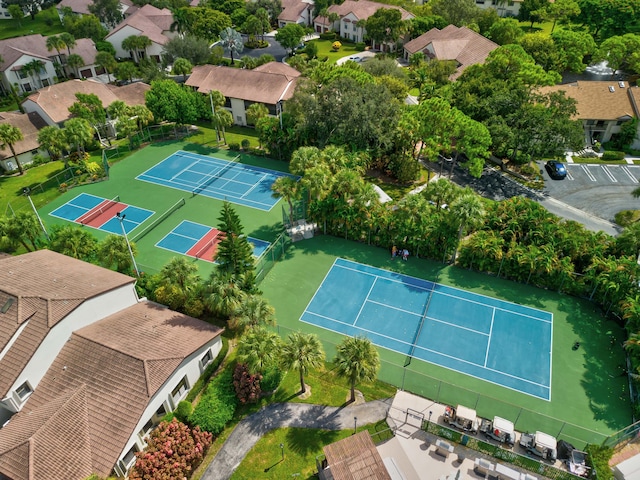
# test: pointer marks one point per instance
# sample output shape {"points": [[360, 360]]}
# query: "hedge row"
{"points": [[217, 406]]}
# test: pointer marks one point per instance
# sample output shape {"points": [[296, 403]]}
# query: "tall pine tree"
{"points": [[235, 253]]}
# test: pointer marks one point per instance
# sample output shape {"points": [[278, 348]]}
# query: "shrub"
{"points": [[612, 155], [245, 144], [78, 157], [217, 405], [246, 385], [360, 46], [208, 372], [328, 36], [173, 451], [234, 146], [335, 46], [271, 379], [598, 459], [183, 411]]}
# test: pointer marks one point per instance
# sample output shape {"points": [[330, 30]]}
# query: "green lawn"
{"points": [[588, 391], [325, 50], [11, 187], [46, 23]]}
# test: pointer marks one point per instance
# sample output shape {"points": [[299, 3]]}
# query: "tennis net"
{"points": [[213, 178], [159, 220], [207, 245], [104, 208], [419, 329]]}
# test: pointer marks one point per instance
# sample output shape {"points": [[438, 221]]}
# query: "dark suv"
{"points": [[556, 169]]}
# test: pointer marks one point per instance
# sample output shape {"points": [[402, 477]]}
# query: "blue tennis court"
{"points": [[216, 178], [201, 241], [497, 341], [100, 213]]}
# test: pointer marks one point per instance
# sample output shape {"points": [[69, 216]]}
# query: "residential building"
{"points": [[149, 21], [296, 11], [505, 8], [29, 124], [270, 84], [81, 7], [52, 103], [461, 44], [114, 366], [352, 13], [18, 52], [353, 457], [602, 107]]}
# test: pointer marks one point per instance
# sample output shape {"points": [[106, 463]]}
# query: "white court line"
{"points": [[396, 308], [254, 186], [365, 301], [457, 326], [626, 170], [493, 316], [605, 169], [588, 173], [388, 279]]}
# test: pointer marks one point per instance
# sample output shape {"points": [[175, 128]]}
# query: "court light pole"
{"points": [[429, 420], [355, 425], [126, 238], [27, 192]]}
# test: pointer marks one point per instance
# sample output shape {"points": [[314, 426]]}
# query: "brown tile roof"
{"points": [[29, 124], [149, 21], [355, 458], [453, 43], [363, 9], [278, 68], [111, 369], [45, 287], [56, 99], [596, 102], [76, 6], [251, 85], [292, 9], [12, 49], [86, 49]]}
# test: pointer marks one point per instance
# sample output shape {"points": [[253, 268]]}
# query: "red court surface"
{"points": [[102, 213], [207, 246]]}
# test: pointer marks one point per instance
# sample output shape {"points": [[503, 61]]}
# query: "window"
{"points": [[46, 82], [26, 87], [146, 429], [206, 359], [180, 391], [23, 391], [128, 459], [22, 74]]}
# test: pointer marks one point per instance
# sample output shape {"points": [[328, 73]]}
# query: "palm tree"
{"points": [[221, 119], [9, 136], [33, 68], [54, 140], [108, 62], [259, 349], [222, 294], [302, 351], [254, 311], [130, 43], [113, 252], [182, 66], [55, 42], [231, 40], [78, 132], [263, 16], [181, 273], [73, 241], [467, 210], [75, 61], [255, 112], [289, 189], [68, 40], [357, 360], [23, 227]]}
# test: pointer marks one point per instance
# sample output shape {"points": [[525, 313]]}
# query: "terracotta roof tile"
{"points": [[149, 21], [596, 102], [252, 85], [278, 68], [12, 49], [56, 99], [363, 9], [355, 458], [453, 43], [29, 124], [119, 362]]}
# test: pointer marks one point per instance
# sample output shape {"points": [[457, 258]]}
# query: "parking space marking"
{"points": [[608, 173], [588, 173], [626, 170]]}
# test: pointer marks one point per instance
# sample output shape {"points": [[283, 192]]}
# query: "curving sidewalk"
{"points": [[279, 415]]}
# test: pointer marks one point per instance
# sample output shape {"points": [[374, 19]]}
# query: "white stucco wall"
{"points": [[238, 112], [349, 29], [31, 106], [10, 76], [87, 313], [117, 38], [25, 159], [190, 368]]}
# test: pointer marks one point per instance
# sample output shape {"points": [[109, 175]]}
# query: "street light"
{"points": [[27, 192], [126, 238], [355, 425], [282, 450]]}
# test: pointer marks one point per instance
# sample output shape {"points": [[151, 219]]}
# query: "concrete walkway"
{"points": [[279, 415]]}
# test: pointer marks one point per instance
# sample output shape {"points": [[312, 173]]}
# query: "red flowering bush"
{"points": [[173, 451], [247, 386]]}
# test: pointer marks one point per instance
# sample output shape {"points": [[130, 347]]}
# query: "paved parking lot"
{"points": [[602, 190]]}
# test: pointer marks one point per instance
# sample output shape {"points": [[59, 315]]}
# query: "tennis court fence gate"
{"points": [[412, 380]]}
